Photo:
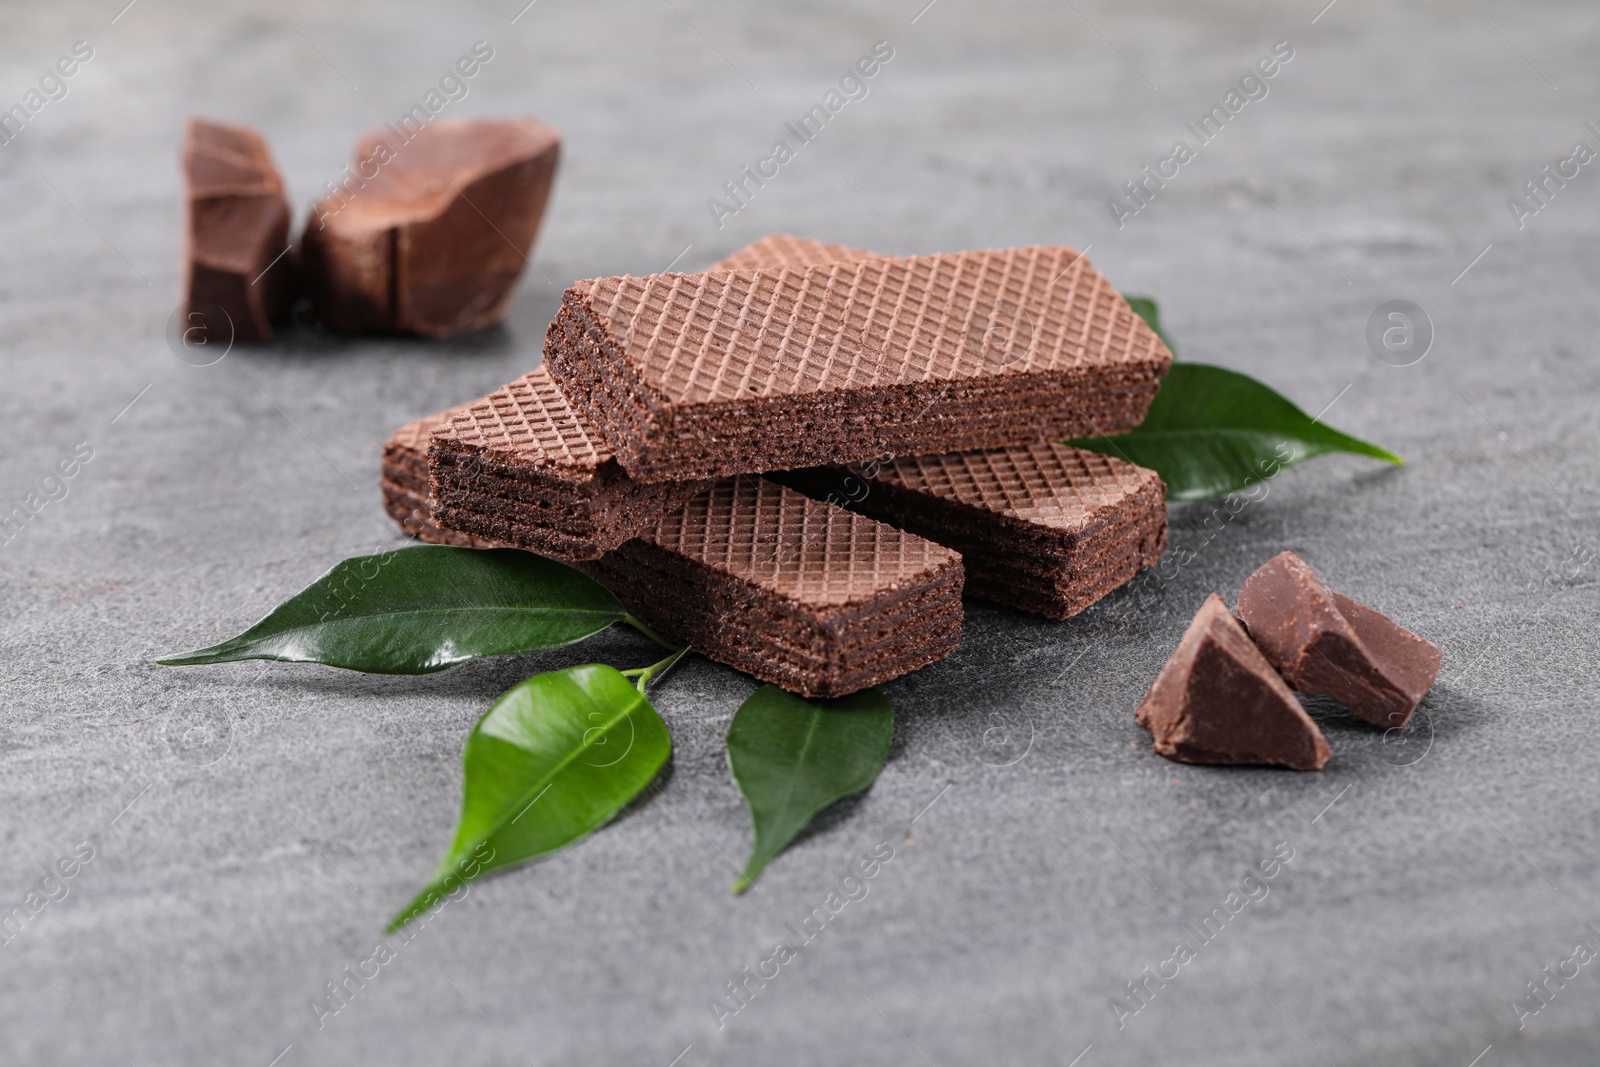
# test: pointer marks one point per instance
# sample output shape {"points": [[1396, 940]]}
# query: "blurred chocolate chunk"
{"points": [[1325, 643], [428, 230], [236, 266], [1218, 700]]}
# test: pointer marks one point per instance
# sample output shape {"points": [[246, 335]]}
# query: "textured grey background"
{"points": [[1061, 856]]}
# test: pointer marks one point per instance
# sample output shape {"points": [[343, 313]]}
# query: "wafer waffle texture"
{"points": [[1043, 527], [535, 435], [728, 371], [404, 483], [521, 467], [785, 250], [803, 594]]}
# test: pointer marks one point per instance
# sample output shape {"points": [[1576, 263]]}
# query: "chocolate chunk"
{"points": [[1323, 642], [1218, 700], [1043, 527], [238, 231], [521, 467], [729, 371], [404, 481], [429, 230], [796, 592]]}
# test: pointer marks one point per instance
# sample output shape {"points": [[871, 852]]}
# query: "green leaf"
{"points": [[554, 758], [1212, 431], [1147, 310], [793, 757], [424, 608]]}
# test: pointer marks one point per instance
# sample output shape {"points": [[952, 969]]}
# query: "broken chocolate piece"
{"points": [[1325, 643], [522, 468], [689, 376], [1218, 700], [1045, 528], [430, 229], [236, 265], [404, 481], [808, 596]]}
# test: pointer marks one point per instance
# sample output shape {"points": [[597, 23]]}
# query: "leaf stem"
{"points": [[651, 634], [642, 675]]}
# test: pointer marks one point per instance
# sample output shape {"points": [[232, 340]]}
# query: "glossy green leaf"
{"points": [[792, 757], [424, 608], [554, 758], [1212, 431], [1147, 310]]}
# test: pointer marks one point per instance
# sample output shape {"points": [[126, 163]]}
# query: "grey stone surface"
{"points": [[253, 826]]}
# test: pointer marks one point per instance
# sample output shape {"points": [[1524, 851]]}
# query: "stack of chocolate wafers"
{"points": [[795, 461]]}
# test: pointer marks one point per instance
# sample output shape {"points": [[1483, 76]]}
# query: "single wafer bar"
{"points": [[238, 275], [1041, 527], [808, 596], [520, 467], [404, 481], [734, 371]]}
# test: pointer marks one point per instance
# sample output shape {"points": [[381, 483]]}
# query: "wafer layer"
{"points": [[794, 591], [782, 250], [404, 481], [1042, 527], [521, 467], [729, 371]]}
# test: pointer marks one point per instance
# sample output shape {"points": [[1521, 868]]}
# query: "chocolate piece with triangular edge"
{"points": [[1218, 700], [1325, 643]]}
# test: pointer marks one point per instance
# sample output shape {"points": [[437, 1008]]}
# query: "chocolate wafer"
{"points": [[236, 270], [1041, 527], [735, 371], [783, 250], [808, 596], [521, 467], [527, 470], [404, 481]]}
